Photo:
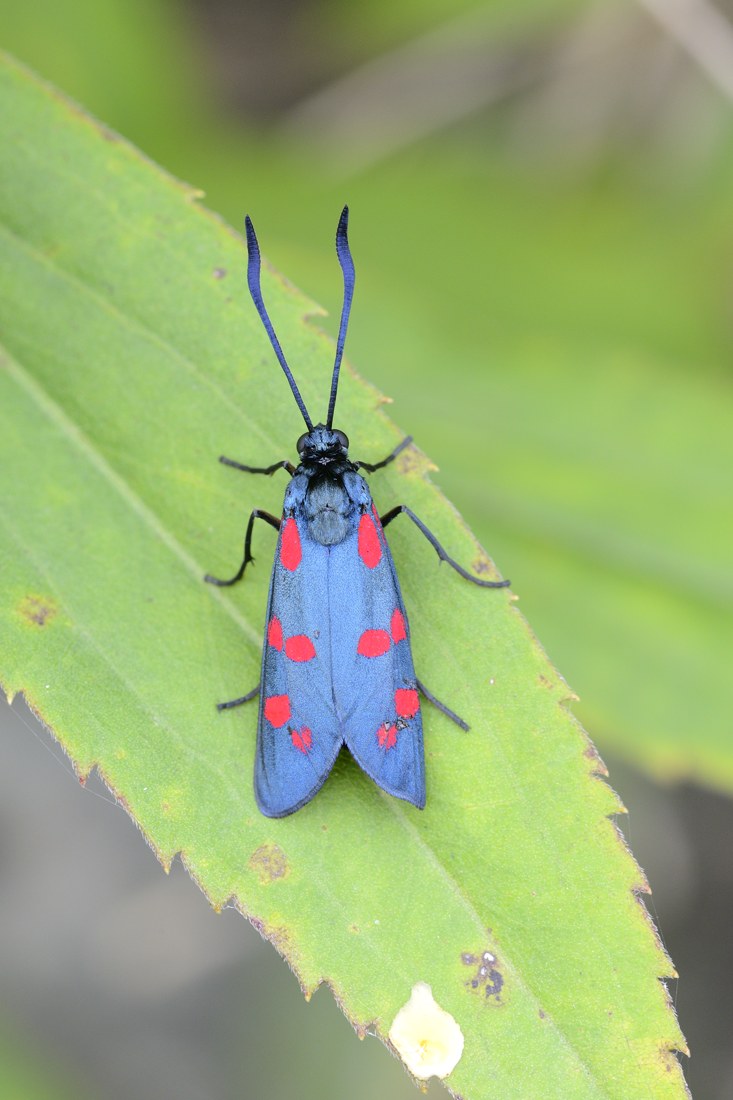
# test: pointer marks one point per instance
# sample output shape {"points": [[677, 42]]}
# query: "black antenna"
{"points": [[253, 281], [347, 266]]}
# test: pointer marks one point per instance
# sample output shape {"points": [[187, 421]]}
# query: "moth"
{"points": [[337, 666]]}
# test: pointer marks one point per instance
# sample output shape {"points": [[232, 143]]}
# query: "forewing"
{"points": [[298, 735], [374, 681]]}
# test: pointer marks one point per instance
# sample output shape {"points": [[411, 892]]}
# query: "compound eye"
{"points": [[302, 442], [343, 439]]}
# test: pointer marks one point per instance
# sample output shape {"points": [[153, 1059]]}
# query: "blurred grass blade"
{"points": [[132, 358]]}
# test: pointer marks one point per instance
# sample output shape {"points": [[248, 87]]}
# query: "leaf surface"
{"points": [[132, 357]]}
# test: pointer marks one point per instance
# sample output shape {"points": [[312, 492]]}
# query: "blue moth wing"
{"points": [[298, 733], [336, 664], [374, 680]]}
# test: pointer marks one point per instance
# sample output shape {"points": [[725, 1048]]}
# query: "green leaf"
{"points": [[607, 283], [133, 358]]}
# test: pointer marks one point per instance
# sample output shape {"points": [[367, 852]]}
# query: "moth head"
{"points": [[323, 442]]}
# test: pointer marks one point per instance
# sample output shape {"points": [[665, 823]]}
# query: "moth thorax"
{"points": [[327, 507]]}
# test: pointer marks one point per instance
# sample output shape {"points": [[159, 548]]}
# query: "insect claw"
{"points": [[219, 582], [242, 699]]}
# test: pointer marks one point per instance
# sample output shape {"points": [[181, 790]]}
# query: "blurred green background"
{"points": [[542, 220]]}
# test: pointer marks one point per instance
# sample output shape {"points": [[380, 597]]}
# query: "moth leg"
{"points": [[257, 513], [283, 465], [438, 548], [238, 702], [370, 467], [441, 706]]}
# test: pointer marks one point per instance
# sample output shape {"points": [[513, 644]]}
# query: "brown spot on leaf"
{"points": [[277, 935], [487, 980], [269, 862], [279, 939], [219, 272], [591, 753], [37, 610], [412, 461]]}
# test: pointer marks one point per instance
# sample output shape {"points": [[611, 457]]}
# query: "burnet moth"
{"points": [[336, 663]]}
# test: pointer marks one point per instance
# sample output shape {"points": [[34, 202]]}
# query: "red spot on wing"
{"points": [[387, 736], [377, 520], [397, 626], [373, 643], [406, 702], [277, 710], [300, 648], [290, 549], [275, 633], [370, 550], [302, 739]]}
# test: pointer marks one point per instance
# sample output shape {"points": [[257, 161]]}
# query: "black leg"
{"points": [[441, 706], [284, 465], [238, 702], [438, 548], [257, 513], [370, 467]]}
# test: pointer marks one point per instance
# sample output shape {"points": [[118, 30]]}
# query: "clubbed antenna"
{"points": [[253, 281], [347, 266]]}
